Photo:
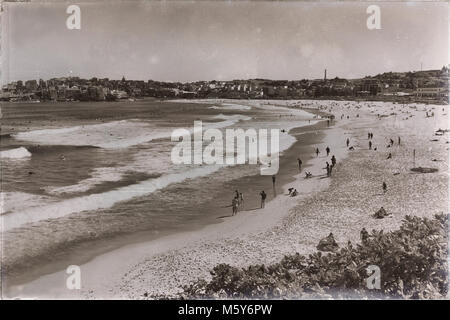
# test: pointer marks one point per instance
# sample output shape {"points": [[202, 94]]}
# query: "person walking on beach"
{"points": [[234, 205], [370, 145], [328, 169], [241, 201], [327, 150], [399, 140], [392, 142], [384, 187], [317, 152], [299, 164], [333, 160], [263, 199], [273, 185], [348, 141]]}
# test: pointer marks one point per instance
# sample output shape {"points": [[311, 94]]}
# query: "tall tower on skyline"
{"points": [[325, 75]]}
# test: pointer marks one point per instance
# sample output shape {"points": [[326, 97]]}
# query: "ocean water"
{"points": [[79, 173]]}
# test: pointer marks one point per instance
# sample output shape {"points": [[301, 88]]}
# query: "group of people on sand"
{"points": [[238, 200], [292, 192], [390, 144], [329, 167], [237, 204], [307, 173]]}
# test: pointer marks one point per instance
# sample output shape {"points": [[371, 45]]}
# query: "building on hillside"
{"points": [[31, 85], [268, 91], [432, 92]]}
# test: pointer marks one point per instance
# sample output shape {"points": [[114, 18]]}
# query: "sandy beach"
{"points": [[342, 204], [216, 151]]}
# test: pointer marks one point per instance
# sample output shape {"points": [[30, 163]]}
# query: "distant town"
{"points": [[420, 86]]}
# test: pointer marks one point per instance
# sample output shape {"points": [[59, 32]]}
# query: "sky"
{"points": [[221, 40]]}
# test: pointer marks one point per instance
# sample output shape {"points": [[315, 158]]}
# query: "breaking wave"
{"points": [[17, 153], [102, 200]]}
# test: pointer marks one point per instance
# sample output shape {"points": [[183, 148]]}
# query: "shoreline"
{"points": [[263, 236], [176, 240], [82, 253]]}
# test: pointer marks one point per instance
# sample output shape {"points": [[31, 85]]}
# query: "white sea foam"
{"points": [[114, 135], [148, 161], [224, 104], [111, 135], [108, 199], [18, 201], [286, 110], [233, 117], [124, 133], [231, 106], [99, 175], [17, 153], [144, 161], [100, 200]]}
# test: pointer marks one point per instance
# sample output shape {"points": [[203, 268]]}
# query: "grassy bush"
{"points": [[412, 261]]}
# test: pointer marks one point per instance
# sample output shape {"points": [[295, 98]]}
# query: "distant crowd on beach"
{"points": [[238, 200], [237, 204]]}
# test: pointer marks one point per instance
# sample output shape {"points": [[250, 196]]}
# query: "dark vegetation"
{"points": [[412, 261]]}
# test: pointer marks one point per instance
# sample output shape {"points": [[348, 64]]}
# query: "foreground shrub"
{"points": [[412, 261]]}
